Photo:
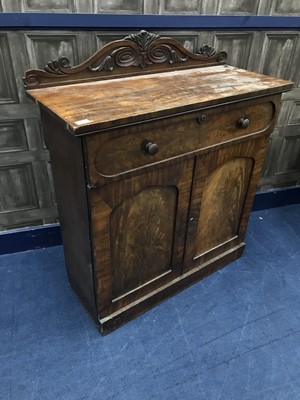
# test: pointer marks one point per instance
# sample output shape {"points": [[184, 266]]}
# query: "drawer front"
{"points": [[127, 149]]}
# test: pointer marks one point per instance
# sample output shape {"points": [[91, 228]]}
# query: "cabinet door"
{"points": [[223, 190], [138, 232]]}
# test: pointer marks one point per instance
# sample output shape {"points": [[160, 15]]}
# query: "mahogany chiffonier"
{"points": [[156, 154]]}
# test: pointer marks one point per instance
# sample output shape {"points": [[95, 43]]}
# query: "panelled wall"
{"points": [[26, 188]]}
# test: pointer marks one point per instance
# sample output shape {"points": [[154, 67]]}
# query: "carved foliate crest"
{"points": [[143, 51], [138, 53], [142, 39]]}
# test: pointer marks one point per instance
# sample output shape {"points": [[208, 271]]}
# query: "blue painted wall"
{"points": [[141, 21]]}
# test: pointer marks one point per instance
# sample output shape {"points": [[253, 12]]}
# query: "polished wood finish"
{"points": [[155, 173], [226, 186], [146, 218], [85, 107], [225, 210], [176, 136], [145, 249]]}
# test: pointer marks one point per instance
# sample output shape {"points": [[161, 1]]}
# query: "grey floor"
{"points": [[234, 335]]}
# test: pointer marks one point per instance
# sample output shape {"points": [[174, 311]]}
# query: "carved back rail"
{"points": [[136, 54]]}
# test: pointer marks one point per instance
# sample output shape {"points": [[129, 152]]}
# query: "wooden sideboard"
{"points": [[156, 154]]}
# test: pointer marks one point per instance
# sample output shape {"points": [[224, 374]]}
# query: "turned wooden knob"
{"points": [[244, 123], [151, 148]]}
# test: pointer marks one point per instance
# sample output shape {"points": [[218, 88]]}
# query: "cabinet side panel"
{"points": [[222, 203], [70, 186]]}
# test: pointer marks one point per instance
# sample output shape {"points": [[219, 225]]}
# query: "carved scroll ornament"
{"points": [[143, 52]]}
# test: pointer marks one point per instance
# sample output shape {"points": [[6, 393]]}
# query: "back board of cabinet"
{"points": [[156, 154]]}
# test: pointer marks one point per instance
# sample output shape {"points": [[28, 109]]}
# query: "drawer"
{"points": [[127, 149]]}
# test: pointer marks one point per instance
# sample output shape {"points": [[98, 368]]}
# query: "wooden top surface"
{"points": [[111, 103]]}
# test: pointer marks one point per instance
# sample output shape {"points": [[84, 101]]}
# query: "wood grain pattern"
{"points": [[232, 212], [108, 235], [176, 136], [222, 203], [87, 107], [142, 230], [155, 221]]}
